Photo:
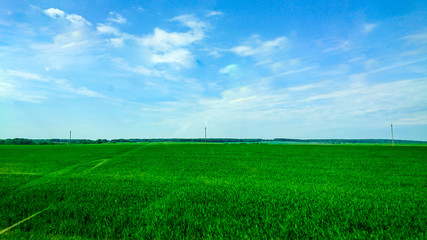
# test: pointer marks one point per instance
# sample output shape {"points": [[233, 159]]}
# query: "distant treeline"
{"points": [[342, 141], [24, 141]]}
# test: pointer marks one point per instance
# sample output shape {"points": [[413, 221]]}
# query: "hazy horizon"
{"points": [[244, 69]]}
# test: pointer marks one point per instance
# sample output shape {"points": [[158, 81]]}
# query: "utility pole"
{"points": [[69, 141], [392, 137], [205, 134]]}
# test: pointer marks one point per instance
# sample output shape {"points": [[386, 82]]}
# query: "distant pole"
{"points": [[392, 137], [205, 134], [69, 141]]}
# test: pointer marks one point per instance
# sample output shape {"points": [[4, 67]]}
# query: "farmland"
{"points": [[211, 191]]}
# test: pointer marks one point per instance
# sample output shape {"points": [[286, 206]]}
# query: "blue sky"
{"points": [[246, 69]]}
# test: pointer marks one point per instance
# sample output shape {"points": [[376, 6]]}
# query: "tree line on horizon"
{"points": [[25, 141]]}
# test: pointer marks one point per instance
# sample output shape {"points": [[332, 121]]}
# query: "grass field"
{"points": [[213, 191]]}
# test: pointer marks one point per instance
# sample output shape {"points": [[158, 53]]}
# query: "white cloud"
{"points": [[214, 13], [73, 42], [244, 50], [162, 40], [229, 69], [190, 21], [118, 41], [107, 29], [77, 20], [215, 53], [258, 47], [181, 57], [74, 19], [168, 47], [117, 18], [55, 13]]}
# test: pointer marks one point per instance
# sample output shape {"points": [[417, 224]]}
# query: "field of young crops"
{"points": [[213, 191]]}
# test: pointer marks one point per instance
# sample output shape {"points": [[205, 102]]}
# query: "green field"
{"points": [[213, 191]]}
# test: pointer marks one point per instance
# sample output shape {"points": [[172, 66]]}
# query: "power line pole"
{"points": [[69, 141], [392, 137], [205, 134]]}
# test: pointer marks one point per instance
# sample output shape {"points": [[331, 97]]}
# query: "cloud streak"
{"points": [[257, 47], [13, 89]]}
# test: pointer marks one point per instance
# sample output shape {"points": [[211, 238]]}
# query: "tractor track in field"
{"points": [[22, 221], [44, 179], [99, 164], [21, 173]]}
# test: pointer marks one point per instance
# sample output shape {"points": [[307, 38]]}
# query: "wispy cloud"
{"points": [[9, 92], [214, 13], [417, 39], [12, 87], [257, 47], [369, 27], [391, 66], [308, 86], [26, 75], [139, 69], [162, 81], [117, 18], [383, 98], [66, 86], [340, 46], [282, 74], [69, 41], [67, 48]]}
